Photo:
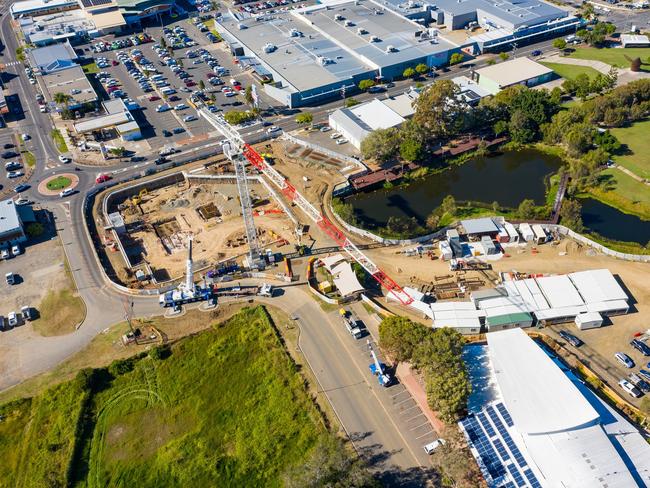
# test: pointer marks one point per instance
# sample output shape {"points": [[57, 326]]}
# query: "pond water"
{"points": [[613, 224], [507, 178]]}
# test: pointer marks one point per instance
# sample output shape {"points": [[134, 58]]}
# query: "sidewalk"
{"points": [[597, 65], [411, 383]]}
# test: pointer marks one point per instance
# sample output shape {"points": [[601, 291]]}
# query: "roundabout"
{"points": [[52, 185]]}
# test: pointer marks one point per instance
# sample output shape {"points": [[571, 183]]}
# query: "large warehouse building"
{"points": [[320, 52], [550, 430]]}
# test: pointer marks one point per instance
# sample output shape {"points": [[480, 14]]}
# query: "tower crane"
{"points": [[235, 144]]}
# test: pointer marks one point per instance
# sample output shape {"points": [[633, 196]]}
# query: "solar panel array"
{"points": [[95, 3], [501, 462]]}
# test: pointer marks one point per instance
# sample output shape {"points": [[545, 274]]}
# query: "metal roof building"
{"points": [[479, 226], [550, 430], [11, 225], [518, 71], [50, 59]]}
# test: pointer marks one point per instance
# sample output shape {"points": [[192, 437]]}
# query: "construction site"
{"points": [[153, 225]]}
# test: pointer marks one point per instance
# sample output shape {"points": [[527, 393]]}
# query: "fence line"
{"points": [[328, 152]]}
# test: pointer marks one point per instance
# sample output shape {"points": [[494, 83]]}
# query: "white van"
{"points": [[65, 192], [432, 446], [631, 389]]}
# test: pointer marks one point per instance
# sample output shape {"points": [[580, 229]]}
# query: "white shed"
{"points": [[512, 232], [540, 235], [589, 320], [526, 232], [445, 251]]}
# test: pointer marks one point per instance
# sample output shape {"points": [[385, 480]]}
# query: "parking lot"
{"points": [[11, 154], [163, 128]]}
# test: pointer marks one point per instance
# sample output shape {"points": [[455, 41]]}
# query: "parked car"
{"points": [[64, 159], [341, 141], [163, 108], [5, 254], [570, 338], [640, 383], [12, 319], [644, 374], [178, 130], [432, 446], [272, 129], [10, 278], [629, 388], [189, 118], [22, 187], [624, 359], [15, 250], [640, 346], [536, 53]]}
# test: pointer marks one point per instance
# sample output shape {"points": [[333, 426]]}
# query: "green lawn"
{"points": [[623, 192], [90, 68], [59, 141], [636, 140], [571, 71], [614, 57], [29, 158], [59, 183], [227, 408]]}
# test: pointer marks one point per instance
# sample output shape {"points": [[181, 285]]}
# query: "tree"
{"points": [[62, 99], [399, 336], [578, 139], [330, 465], [365, 84], [582, 85], [503, 56], [597, 34], [433, 220], [500, 127], [421, 68], [235, 117], [401, 226], [201, 85], [410, 150], [495, 207], [456, 58], [118, 151], [437, 109], [351, 102], [448, 205], [160, 352], [305, 118], [526, 209], [163, 43], [447, 392], [607, 141], [248, 95], [409, 73], [521, 127], [381, 145], [571, 214], [560, 44]]}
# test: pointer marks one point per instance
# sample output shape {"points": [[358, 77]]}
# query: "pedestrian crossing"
{"points": [[11, 63]]}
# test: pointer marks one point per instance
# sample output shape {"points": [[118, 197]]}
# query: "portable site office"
{"points": [[540, 235], [526, 232]]}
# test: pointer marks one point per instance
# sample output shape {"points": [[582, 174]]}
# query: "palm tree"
{"points": [[62, 99]]}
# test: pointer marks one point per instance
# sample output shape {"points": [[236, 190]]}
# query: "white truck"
{"points": [[352, 323], [265, 290]]}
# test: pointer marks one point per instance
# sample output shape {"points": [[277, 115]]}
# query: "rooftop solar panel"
{"points": [[501, 450], [532, 479], [486, 425], [504, 413], [95, 3], [516, 475]]}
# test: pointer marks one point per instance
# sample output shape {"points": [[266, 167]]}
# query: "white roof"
{"points": [[331, 261], [377, 115], [559, 291], [588, 317], [31, 5], [538, 231], [539, 397], [512, 232], [9, 220], [634, 39], [608, 306], [526, 230], [420, 306], [443, 306], [513, 72], [345, 279], [505, 310], [597, 285], [529, 292], [556, 313], [498, 302]]}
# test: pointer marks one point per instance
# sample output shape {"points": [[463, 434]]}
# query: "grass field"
{"points": [[61, 310], [613, 57], [226, 408], [59, 141], [571, 71], [636, 140], [623, 192], [58, 183]]}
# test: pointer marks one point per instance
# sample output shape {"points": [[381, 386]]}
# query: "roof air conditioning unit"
{"points": [[361, 31], [390, 49], [374, 39]]}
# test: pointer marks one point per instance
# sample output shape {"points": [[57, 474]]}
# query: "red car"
{"points": [[115, 63], [190, 83], [154, 98], [211, 75], [237, 87], [102, 178], [111, 89]]}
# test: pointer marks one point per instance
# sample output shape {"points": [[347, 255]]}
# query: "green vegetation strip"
{"points": [[61, 146], [29, 158], [224, 408], [571, 71], [59, 183], [613, 57]]}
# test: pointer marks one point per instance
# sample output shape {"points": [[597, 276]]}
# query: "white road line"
{"points": [[407, 409], [421, 425], [399, 403], [424, 435], [415, 416]]}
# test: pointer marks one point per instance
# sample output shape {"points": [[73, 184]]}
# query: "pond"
{"points": [[507, 178], [611, 223]]}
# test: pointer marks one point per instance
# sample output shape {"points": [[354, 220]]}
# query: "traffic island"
{"points": [[54, 184]]}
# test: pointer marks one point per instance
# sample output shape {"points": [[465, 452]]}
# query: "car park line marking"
{"points": [[415, 416], [421, 425], [399, 403], [398, 393], [424, 435], [407, 409]]}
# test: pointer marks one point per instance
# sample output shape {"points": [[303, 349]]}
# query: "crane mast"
{"points": [[256, 160]]}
